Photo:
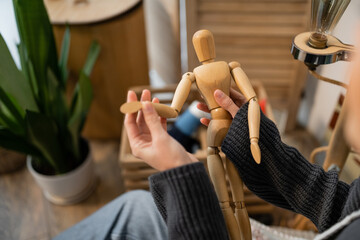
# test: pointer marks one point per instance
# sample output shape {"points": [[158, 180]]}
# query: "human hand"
{"points": [[230, 104], [148, 137]]}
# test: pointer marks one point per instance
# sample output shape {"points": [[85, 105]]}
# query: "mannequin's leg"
{"points": [[237, 191], [217, 175]]}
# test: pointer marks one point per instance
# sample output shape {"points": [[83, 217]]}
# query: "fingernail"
{"points": [[129, 94], [219, 93], [147, 107]]}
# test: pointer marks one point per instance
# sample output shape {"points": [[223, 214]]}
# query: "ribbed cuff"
{"points": [[352, 203], [284, 177], [186, 199]]}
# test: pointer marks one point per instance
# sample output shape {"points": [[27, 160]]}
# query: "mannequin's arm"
{"points": [[182, 91], [247, 90]]}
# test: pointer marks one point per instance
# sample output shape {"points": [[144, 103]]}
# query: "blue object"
{"points": [[187, 123]]}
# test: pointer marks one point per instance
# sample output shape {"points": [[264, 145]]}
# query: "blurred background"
{"points": [[148, 43]]}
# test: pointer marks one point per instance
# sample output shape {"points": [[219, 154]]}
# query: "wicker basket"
{"points": [[135, 172]]}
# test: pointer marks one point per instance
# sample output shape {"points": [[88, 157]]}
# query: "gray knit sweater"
{"points": [[187, 201]]}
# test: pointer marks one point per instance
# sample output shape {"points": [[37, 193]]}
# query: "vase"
{"points": [[68, 188]]}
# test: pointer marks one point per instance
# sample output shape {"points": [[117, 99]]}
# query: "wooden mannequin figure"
{"points": [[212, 75]]}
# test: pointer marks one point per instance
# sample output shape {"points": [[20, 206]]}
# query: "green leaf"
{"points": [[14, 109], [23, 58], [28, 70], [7, 120], [13, 81], [75, 129], [44, 135], [81, 107], [57, 100], [83, 92], [36, 35], [53, 86], [13, 142], [91, 58], [64, 54], [82, 97], [32, 80]]}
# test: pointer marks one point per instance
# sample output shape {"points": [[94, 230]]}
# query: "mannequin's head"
{"points": [[203, 42]]}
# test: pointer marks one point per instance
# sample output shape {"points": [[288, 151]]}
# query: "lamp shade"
{"points": [[325, 14]]}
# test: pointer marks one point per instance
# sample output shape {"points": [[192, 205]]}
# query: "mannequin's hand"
{"points": [[230, 104], [150, 141]]}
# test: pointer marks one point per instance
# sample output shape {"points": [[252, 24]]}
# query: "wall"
{"points": [[8, 28], [320, 97], [163, 41]]}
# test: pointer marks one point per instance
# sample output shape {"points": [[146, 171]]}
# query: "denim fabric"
{"points": [[132, 216]]}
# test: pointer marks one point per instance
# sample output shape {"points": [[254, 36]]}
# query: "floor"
{"points": [[25, 214]]}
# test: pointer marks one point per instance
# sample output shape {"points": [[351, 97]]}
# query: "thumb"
{"points": [[226, 102], [152, 119]]}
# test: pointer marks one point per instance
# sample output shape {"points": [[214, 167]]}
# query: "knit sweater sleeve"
{"points": [[284, 177], [187, 201]]}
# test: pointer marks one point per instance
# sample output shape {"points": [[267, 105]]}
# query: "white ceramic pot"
{"points": [[68, 188]]}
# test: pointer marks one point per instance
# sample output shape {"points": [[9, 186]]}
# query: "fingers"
{"points": [[130, 119], [162, 120], [237, 97], [203, 107], [205, 121], [155, 100], [145, 96], [152, 120], [225, 102], [163, 123]]}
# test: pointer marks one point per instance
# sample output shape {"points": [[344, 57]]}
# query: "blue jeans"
{"points": [[132, 216]]}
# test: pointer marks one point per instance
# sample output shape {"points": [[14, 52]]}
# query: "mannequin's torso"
{"points": [[212, 76]]}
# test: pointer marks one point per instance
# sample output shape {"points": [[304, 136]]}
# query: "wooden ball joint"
{"points": [[209, 76]]}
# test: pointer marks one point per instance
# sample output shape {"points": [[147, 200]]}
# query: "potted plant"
{"points": [[35, 116]]}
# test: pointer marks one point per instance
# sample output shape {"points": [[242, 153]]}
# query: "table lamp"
{"points": [[319, 47]]}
